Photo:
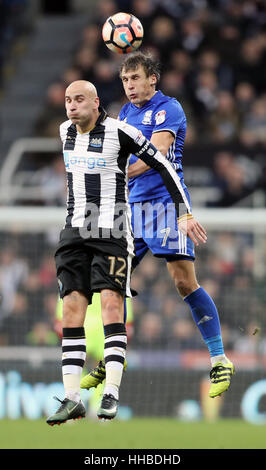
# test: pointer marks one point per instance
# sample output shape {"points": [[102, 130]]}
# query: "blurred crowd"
{"points": [[213, 56], [227, 269], [13, 25], [213, 60], [28, 291]]}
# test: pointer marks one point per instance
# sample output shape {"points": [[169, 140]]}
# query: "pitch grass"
{"points": [[142, 433]]}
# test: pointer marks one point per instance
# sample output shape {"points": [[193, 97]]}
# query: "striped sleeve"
{"points": [[135, 142]]}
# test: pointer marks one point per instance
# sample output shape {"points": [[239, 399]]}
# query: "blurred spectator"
{"points": [[236, 178], [210, 60], [181, 62], [204, 96], [13, 24], [228, 42], [163, 35], [71, 75], [224, 121], [52, 182], [42, 335], [84, 62], [13, 272], [254, 125], [251, 65], [149, 333], [47, 271], [146, 11], [107, 82], [54, 111], [14, 328], [105, 8], [172, 84], [35, 294], [183, 335], [212, 287], [245, 95], [90, 38], [192, 35]]}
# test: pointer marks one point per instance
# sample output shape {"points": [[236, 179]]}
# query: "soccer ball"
{"points": [[122, 33]]}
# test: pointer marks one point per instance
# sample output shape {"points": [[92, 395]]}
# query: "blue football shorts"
{"points": [[155, 228]]}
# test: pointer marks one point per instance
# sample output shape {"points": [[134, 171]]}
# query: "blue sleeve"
{"points": [[121, 115], [169, 116]]}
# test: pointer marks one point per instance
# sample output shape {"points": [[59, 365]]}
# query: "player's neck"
{"points": [[147, 98]]}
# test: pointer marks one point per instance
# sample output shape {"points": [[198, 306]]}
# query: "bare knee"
{"points": [[185, 286], [184, 277], [74, 309]]}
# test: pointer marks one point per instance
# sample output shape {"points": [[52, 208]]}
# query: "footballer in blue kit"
{"points": [[157, 230], [161, 119]]}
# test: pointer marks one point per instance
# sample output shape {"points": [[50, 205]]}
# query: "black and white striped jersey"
{"points": [[96, 164]]}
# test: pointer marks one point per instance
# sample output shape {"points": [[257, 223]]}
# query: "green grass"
{"points": [[142, 433]]}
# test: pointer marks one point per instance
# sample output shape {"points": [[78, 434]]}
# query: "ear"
{"points": [[153, 79], [97, 102]]}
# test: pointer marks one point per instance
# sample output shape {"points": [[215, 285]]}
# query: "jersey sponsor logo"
{"points": [[83, 162], [143, 149], [140, 139], [160, 116], [147, 117]]}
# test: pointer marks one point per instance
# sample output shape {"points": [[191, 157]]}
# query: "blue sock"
{"points": [[206, 317]]}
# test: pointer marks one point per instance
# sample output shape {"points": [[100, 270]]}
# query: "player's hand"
{"points": [[193, 229]]}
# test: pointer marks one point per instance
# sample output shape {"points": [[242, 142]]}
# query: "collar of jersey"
{"points": [[102, 117]]}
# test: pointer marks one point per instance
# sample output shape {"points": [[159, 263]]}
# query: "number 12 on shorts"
{"points": [[117, 266]]}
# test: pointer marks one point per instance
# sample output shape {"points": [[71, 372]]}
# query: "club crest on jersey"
{"points": [[95, 144], [160, 116], [147, 117], [140, 139]]}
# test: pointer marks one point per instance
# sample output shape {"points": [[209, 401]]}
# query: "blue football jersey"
{"points": [[160, 113]]}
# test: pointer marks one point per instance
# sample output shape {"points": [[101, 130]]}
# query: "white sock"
{"points": [[222, 358], [112, 390], [72, 386], [73, 359], [115, 344]]}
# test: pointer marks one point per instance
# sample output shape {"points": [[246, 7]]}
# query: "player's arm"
{"points": [[187, 224], [136, 143], [162, 141]]}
